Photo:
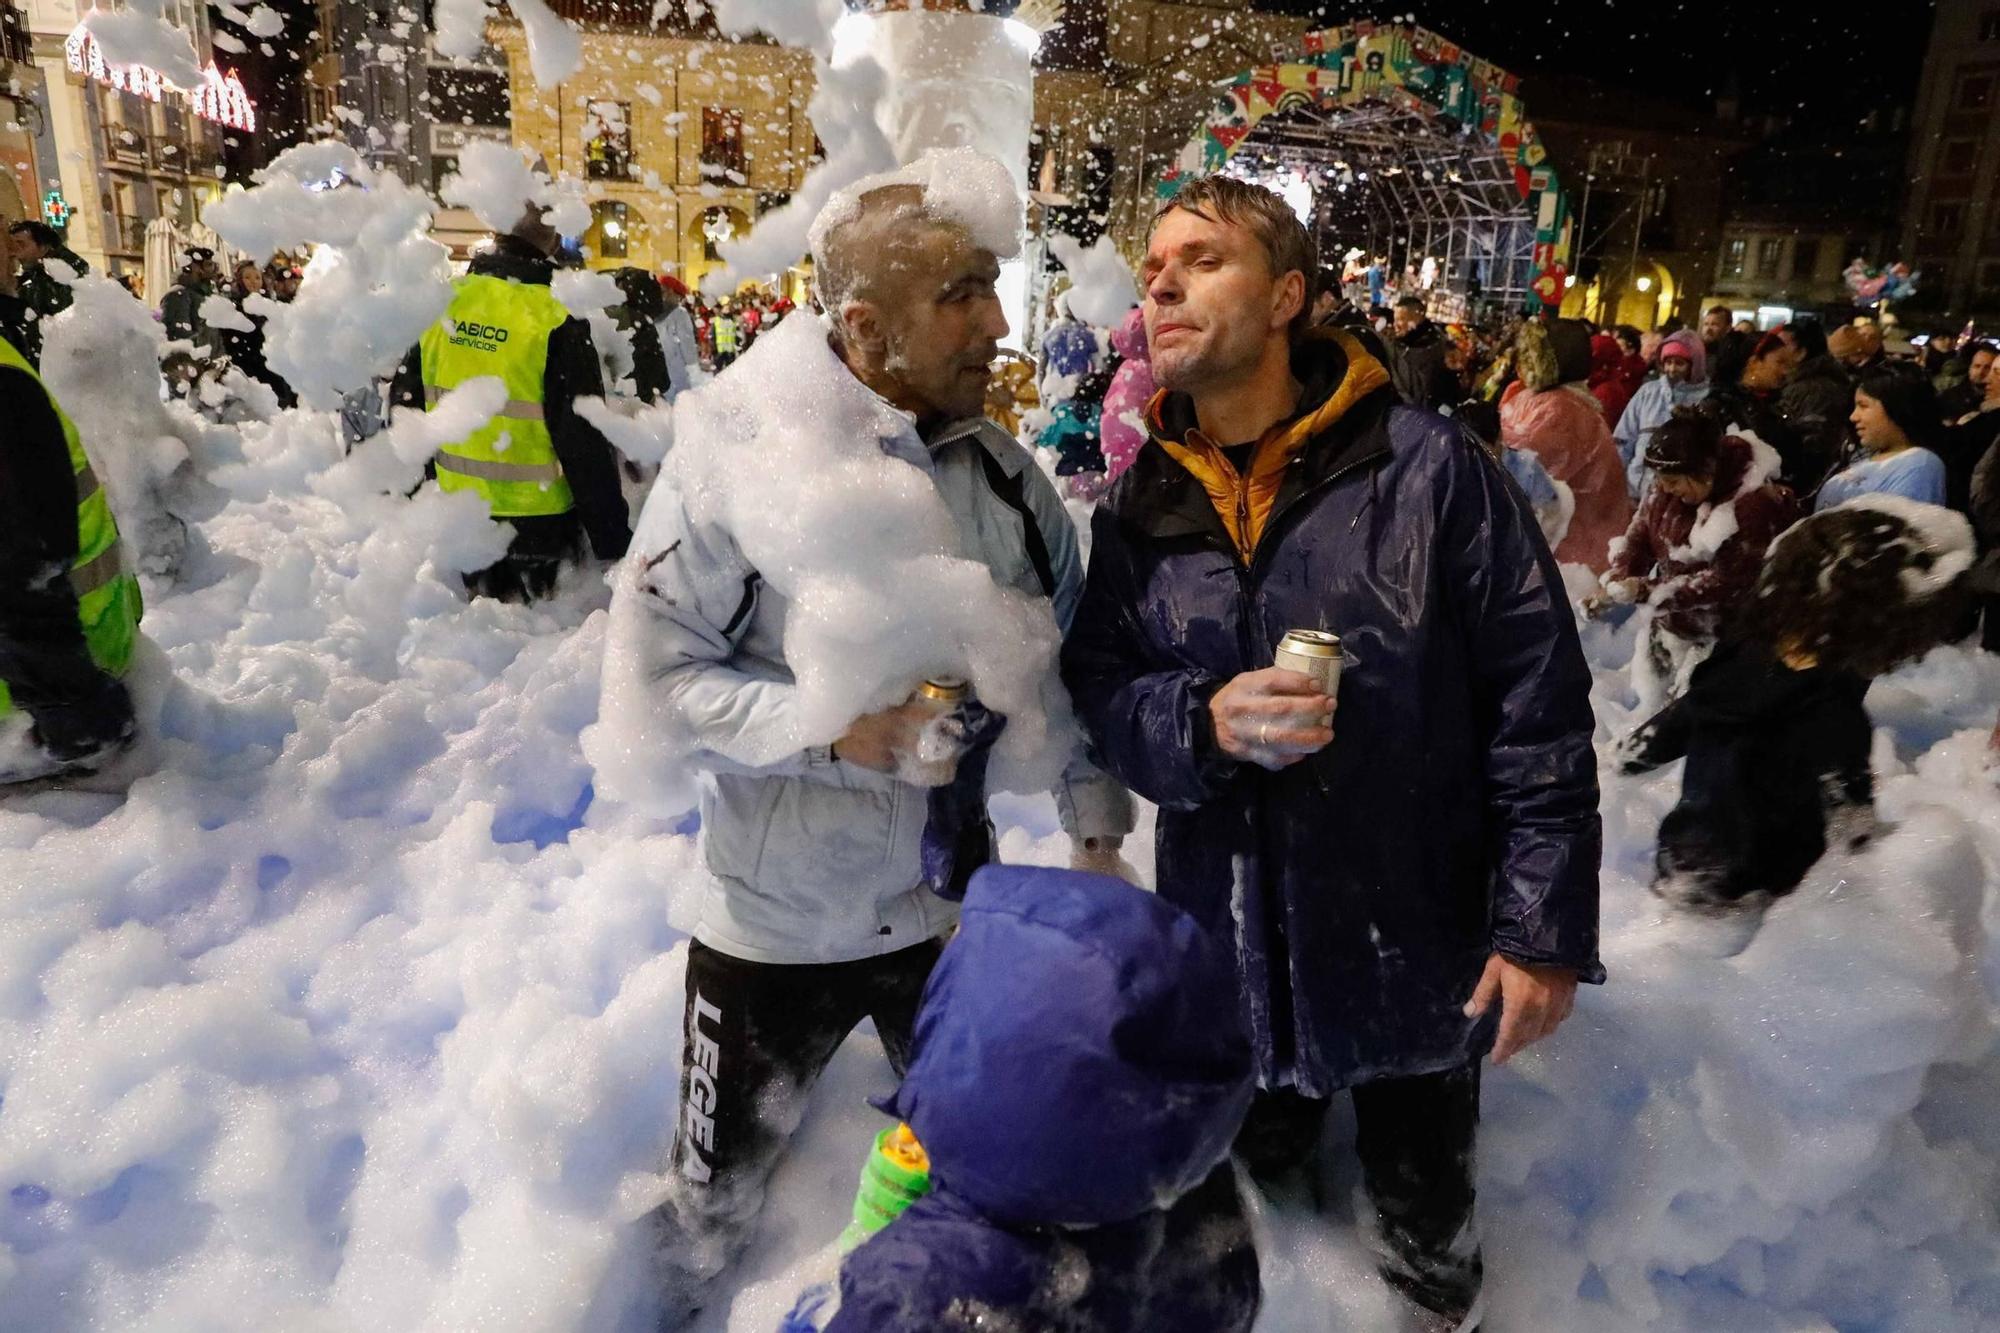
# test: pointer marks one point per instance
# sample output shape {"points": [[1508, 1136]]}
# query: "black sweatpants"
{"points": [[1415, 1138], [757, 1037], [536, 553]]}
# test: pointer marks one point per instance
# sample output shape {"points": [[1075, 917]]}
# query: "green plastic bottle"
{"points": [[896, 1174]]}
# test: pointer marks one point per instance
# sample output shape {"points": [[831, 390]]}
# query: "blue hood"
{"points": [[1079, 1056]]}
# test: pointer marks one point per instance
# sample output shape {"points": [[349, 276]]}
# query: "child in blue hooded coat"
{"points": [[1076, 1086]]}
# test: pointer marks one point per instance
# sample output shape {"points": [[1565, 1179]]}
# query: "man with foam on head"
{"points": [[819, 912]]}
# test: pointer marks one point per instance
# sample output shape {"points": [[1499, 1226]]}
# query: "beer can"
{"points": [[1315, 653], [945, 695], [936, 761]]}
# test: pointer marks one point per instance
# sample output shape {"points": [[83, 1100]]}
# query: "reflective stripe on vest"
{"points": [[479, 468], [519, 411], [499, 329], [98, 571], [108, 603]]}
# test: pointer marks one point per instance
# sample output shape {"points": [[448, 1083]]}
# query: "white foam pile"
{"points": [[843, 107], [1101, 287], [375, 283], [844, 533], [101, 358], [498, 182], [363, 1011]]}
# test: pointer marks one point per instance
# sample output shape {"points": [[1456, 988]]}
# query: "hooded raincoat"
{"points": [[1655, 402], [1554, 416]]}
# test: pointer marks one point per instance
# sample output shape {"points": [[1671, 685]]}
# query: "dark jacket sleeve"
{"points": [[586, 456], [1986, 496], [649, 363], [938, 1271], [1148, 719], [1660, 740], [1853, 774], [37, 483], [1531, 697], [406, 388]]}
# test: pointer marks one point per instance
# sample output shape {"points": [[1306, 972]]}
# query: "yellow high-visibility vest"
{"points": [[499, 328], [107, 597]]}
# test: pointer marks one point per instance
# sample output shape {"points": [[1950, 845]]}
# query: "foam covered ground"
{"points": [[362, 1012]]}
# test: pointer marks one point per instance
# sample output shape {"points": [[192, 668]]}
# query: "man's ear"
{"points": [[1290, 300], [861, 327]]}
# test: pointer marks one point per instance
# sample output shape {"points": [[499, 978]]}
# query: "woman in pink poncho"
{"points": [[1121, 428], [1551, 413]]}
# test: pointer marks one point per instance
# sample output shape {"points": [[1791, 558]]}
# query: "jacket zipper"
{"points": [[1246, 576], [1271, 524]]}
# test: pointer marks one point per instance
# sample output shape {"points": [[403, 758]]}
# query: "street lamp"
{"points": [[1644, 285]]}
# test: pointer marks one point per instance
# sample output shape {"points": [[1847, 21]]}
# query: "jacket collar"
{"points": [[515, 260], [1162, 498], [986, 435]]}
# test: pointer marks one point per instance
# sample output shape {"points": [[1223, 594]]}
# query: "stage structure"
{"points": [[1394, 142]]}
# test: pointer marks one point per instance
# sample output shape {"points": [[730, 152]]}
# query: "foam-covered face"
{"points": [[941, 321], [1212, 302]]}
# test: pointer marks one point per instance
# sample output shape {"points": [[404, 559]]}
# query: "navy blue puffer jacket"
{"points": [[1454, 815]]}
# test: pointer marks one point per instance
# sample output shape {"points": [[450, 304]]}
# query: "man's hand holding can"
{"points": [[1272, 718]]}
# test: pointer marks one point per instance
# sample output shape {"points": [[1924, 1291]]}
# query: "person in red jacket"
{"points": [[1696, 546], [1608, 381]]}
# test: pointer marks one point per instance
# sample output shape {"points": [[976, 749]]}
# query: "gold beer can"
{"points": [[1315, 653]]}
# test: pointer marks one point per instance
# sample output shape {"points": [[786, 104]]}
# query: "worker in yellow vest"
{"points": [[541, 467], [69, 611]]}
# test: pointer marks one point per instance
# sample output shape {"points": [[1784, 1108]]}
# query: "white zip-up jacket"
{"points": [[814, 860]]}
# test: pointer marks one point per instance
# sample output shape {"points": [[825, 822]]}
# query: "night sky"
{"points": [[1826, 63], [1824, 66]]}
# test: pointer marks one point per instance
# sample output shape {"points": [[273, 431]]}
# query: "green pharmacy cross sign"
{"points": [[56, 210]]}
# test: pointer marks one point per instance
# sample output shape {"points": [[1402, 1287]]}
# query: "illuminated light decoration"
{"points": [[221, 97], [56, 210]]}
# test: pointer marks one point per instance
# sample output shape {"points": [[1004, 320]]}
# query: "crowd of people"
{"points": [[1338, 910]]}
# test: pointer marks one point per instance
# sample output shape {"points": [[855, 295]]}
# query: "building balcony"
{"points": [[128, 234], [17, 44], [126, 147]]}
